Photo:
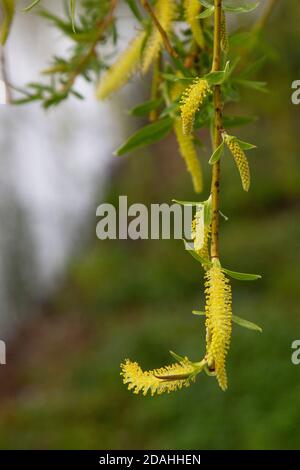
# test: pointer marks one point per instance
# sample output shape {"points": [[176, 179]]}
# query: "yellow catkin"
{"points": [[122, 70], [218, 320], [198, 228], [240, 160], [189, 154], [165, 12], [201, 240], [224, 35], [192, 9], [164, 380], [186, 145], [192, 98]]}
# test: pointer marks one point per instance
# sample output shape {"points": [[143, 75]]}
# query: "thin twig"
{"points": [[161, 30], [100, 28]]}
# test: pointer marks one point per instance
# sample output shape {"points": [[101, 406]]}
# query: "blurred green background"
{"points": [[134, 299]]}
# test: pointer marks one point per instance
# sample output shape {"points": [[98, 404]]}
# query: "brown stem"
{"points": [[161, 30], [217, 138]]}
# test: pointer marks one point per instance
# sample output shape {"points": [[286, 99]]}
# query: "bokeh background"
{"points": [[73, 307]]}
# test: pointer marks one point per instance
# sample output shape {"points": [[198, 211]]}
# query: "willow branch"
{"points": [[217, 134], [161, 30], [101, 26]]}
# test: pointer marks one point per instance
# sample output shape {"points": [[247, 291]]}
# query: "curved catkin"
{"points": [[165, 12], [198, 229], [192, 8], [224, 35], [189, 154], [218, 320], [164, 380], [201, 236], [192, 98], [122, 70], [240, 160]]}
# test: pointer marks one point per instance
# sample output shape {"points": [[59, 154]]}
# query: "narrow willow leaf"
{"points": [[179, 66], [134, 8], [242, 276], [246, 8], [7, 10], [206, 13], [32, 5], [217, 78], [176, 356], [217, 154], [207, 212], [174, 78], [239, 321], [246, 145], [188, 203], [145, 108], [146, 136], [246, 324], [197, 312], [252, 84], [237, 121], [72, 12], [240, 38], [254, 67], [195, 255], [207, 4]]}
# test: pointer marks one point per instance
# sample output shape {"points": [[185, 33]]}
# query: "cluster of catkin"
{"points": [[140, 55]]}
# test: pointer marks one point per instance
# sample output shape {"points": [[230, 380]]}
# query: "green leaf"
{"points": [[246, 145], [174, 78], [246, 324], [134, 8], [195, 255], [176, 356], [217, 78], [32, 5], [146, 136], [188, 203], [237, 121], [245, 8], [240, 38], [242, 276], [179, 66], [207, 4], [217, 154], [239, 321], [145, 108], [252, 84], [6, 19], [197, 312], [72, 13], [206, 13], [207, 212]]}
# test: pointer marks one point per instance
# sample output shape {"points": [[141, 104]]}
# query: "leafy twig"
{"points": [[161, 30]]}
